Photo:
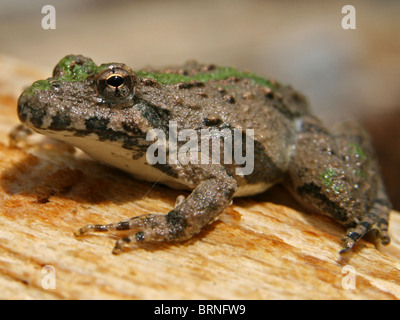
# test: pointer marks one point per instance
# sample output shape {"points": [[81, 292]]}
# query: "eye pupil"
{"points": [[115, 81]]}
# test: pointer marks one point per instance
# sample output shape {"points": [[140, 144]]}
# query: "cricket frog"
{"points": [[217, 131]]}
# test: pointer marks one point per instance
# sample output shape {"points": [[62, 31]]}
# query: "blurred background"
{"points": [[344, 73]]}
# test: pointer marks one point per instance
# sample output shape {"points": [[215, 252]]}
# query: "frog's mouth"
{"points": [[39, 112], [76, 128]]}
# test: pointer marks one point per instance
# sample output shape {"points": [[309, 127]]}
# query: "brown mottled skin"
{"points": [[331, 172]]}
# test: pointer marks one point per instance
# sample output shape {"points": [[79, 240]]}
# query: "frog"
{"points": [[111, 113]]}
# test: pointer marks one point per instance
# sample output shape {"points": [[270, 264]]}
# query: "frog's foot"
{"points": [[19, 133], [377, 219], [191, 214], [148, 227]]}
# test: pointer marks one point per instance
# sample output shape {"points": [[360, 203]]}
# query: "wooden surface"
{"points": [[265, 247]]}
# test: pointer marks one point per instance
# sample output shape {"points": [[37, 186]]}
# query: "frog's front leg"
{"points": [[202, 206], [19, 133], [337, 174]]}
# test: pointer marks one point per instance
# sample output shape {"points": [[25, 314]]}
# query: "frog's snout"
{"points": [[27, 112], [22, 108]]}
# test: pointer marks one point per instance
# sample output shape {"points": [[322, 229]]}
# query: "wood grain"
{"points": [[265, 247]]}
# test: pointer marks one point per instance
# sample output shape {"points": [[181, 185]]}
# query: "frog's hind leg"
{"points": [[337, 174]]}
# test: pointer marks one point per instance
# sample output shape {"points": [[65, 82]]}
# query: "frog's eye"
{"points": [[115, 84]]}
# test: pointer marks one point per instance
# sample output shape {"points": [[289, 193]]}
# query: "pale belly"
{"points": [[116, 156]]}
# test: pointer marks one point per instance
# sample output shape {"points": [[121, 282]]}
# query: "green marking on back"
{"points": [[73, 72], [221, 73], [328, 175], [358, 151], [77, 72], [37, 85], [328, 178]]}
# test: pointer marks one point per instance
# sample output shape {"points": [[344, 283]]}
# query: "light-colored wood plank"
{"points": [[261, 248]]}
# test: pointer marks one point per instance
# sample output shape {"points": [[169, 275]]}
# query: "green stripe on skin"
{"points": [[74, 72], [221, 73], [36, 86], [328, 178], [358, 151]]}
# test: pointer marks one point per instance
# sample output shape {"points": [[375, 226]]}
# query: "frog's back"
{"points": [[199, 96]]}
